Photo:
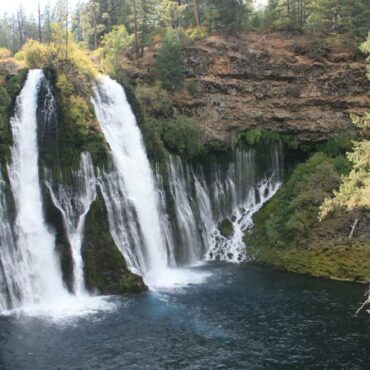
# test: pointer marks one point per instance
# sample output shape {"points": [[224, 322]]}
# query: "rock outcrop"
{"points": [[266, 82]]}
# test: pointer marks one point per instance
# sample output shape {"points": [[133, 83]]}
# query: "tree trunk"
{"points": [[94, 26], [196, 13], [39, 20], [136, 31], [67, 35]]}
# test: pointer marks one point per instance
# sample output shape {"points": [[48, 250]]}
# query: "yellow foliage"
{"points": [[36, 54], [5, 53], [10, 66], [19, 56], [196, 33], [64, 84], [77, 109]]}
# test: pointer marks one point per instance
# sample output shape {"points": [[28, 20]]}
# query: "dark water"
{"points": [[243, 317]]}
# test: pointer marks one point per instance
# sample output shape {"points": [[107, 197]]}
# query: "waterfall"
{"points": [[203, 196], [121, 131], [122, 220], [162, 221], [40, 272], [180, 187], [73, 201], [10, 260]]}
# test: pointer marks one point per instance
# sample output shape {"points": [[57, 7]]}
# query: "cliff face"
{"points": [[272, 83]]}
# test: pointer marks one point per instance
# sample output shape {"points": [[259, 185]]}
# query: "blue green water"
{"points": [[242, 317]]}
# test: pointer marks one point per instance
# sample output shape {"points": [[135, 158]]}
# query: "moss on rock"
{"points": [[287, 232], [10, 86], [226, 228], [105, 269]]}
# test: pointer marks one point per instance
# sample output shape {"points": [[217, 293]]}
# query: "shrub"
{"points": [[192, 87], [196, 33], [289, 216], [178, 135], [154, 99], [5, 53], [36, 55], [182, 136]]}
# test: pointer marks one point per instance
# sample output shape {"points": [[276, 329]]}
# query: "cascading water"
{"points": [[122, 219], [40, 273], [119, 126], [73, 201], [180, 187], [159, 222], [234, 191], [10, 260]]}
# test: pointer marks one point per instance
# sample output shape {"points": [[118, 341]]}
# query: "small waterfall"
{"points": [[241, 194], [73, 201], [138, 188], [40, 274], [122, 220], [181, 191]]}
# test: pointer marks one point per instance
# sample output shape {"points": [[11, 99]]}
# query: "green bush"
{"points": [[153, 99], [179, 135], [192, 87], [289, 216]]}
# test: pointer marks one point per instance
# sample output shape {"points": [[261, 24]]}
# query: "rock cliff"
{"points": [[283, 83]]}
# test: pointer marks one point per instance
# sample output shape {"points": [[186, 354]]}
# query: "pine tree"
{"points": [[169, 65]]}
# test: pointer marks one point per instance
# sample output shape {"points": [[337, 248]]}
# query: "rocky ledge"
{"points": [[286, 84]]}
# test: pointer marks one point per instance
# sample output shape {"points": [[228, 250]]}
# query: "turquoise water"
{"points": [[242, 317]]}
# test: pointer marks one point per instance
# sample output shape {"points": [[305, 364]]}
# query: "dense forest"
{"points": [[90, 21]]}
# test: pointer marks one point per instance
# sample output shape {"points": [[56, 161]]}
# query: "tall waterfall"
{"points": [[40, 272], [73, 201], [121, 131]]}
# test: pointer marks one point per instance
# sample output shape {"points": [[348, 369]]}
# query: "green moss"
{"points": [[339, 144], [179, 135], [78, 128], [342, 263], [287, 232], [289, 216], [105, 269], [226, 228], [10, 87]]}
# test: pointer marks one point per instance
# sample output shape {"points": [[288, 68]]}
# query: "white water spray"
{"points": [[119, 126], [41, 271]]}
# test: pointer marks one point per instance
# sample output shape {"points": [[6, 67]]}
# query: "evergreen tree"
{"points": [[169, 65]]}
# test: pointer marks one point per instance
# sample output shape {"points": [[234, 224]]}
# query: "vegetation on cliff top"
{"points": [[306, 228], [11, 80], [354, 191]]}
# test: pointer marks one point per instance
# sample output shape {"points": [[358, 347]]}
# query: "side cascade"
{"points": [[203, 197], [73, 200]]}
